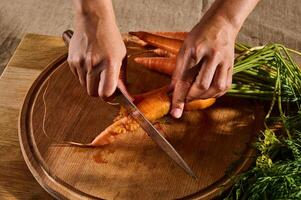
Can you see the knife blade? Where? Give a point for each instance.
(153, 133)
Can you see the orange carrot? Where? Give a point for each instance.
(128, 39)
(199, 104)
(139, 97)
(155, 106)
(160, 64)
(173, 35)
(164, 53)
(171, 45)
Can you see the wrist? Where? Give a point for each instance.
(97, 10)
(233, 12)
(232, 21)
(229, 23)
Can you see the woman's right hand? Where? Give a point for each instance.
(96, 51)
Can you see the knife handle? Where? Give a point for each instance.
(121, 84)
(67, 37)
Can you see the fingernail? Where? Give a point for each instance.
(176, 112)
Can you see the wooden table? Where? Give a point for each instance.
(31, 57)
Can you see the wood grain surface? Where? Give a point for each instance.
(31, 57)
(215, 142)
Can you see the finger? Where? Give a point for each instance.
(81, 75)
(93, 77)
(78, 64)
(180, 87)
(186, 59)
(204, 79)
(229, 81)
(220, 80)
(217, 87)
(72, 67)
(181, 57)
(230, 76)
(109, 79)
(181, 83)
(81, 72)
(178, 98)
(73, 70)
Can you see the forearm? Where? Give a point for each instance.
(233, 12)
(95, 10)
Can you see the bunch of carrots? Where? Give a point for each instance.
(256, 75)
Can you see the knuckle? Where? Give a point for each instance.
(219, 95)
(228, 87)
(220, 87)
(177, 102)
(76, 61)
(203, 86)
(185, 49)
(185, 83)
(89, 59)
(197, 51)
(69, 60)
(194, 51)
(112, 61)
(89, 63)
(216, 53)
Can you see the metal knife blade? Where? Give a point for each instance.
(154, 134)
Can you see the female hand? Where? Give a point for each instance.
(205, 61)
(96, 52)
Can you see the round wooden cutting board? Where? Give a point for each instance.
(215, 142)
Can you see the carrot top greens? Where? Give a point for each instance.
(269, 73)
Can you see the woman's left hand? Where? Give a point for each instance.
(210, 45)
